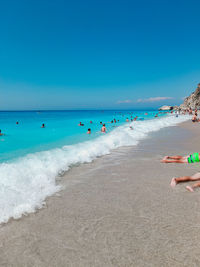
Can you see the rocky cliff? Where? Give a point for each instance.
(193, 100)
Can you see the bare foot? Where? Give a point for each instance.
(164, 160)
(173, 182)
(189, 188)
(166, 157)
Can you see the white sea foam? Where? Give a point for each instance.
(26, 182)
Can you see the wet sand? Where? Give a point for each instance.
(116, 211)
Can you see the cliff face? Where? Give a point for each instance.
(193, 100)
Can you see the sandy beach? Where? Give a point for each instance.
(118, 210)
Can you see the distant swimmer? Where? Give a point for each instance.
(1, 133)
(127, 120)
(43, 125)
(17, 122)
(115, 121)
(90, 121)
(194, 118)
(81, 124)
(103, 129)
(145, 113)
(100, 122)
(89, 131)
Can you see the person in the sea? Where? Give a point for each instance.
(103, 129)
(1, 133)
(194, 118)
(17, 122)
(195, 177)
(89, 131)
(81, 124)
(43, 125)
(127, 120)
(195, 157)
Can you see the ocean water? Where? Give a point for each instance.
(32, 157)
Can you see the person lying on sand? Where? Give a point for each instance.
(180, 159)
(195, 177)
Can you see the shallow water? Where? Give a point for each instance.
(32, 157)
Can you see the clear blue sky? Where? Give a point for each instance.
(57, 54)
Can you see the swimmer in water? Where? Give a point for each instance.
(90, 121)
(43, 125)
(127, 120)
(81, 124)
(103, 129)
(1, 133)
(17, 122)
(89, 131)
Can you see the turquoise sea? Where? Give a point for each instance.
(31, 157)
(61, 128)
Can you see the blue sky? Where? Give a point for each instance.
(97, 54)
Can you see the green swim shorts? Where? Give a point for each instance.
(193, 158)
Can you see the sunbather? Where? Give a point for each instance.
(180, 159)
(195, 177)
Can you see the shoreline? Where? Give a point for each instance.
(118, 210)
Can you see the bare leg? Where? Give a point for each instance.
(168, 158)
(176, 180)
(191, 188)
(175, 157)
(182, 160)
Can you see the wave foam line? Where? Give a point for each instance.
(26, 182)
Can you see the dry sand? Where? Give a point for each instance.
(116, 211)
